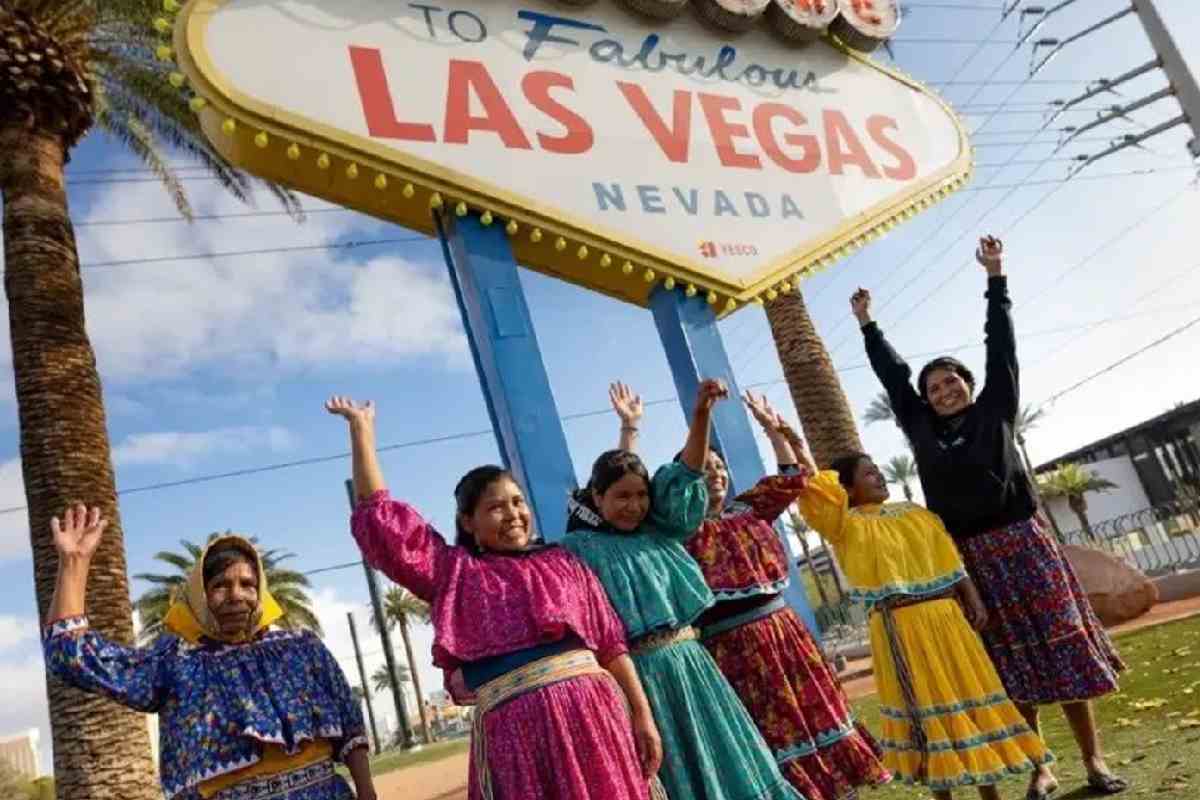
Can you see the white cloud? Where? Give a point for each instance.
(16, 630)
(14, 525)
(254, 315)
(182, 448)
(23, 677)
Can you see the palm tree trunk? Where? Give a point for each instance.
(816, 575)
(908, 492)
(416, 680)
(101, 751)
(820, 402)
(1037, 490)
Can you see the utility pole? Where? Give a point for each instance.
(366, 686)
(385, 637)
(1183, 82)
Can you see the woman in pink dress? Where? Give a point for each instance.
(522, 630)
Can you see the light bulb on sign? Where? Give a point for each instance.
(460, 210)
(485, 219)
(176, 79)
(711, 298)
(560, 244)
(772, 294)
(323, 161)
(435, 200)
(352, 171)
(512, 227)
(648, 276)
(197, 104)
(627, 268)
(381, 181)
(582, 252)
(228, 126)
(261, 140)
(606, 260)
(408, 191)
(535, 235)
(293, 151)
(669, 283)
(162, 25)
(690, 291)
(730, 304)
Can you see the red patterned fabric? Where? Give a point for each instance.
(739, 551)
(795, 699)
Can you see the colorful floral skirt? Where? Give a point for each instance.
(795, 699)
(711, 748)
(568, 741)
(1043, 636)
(312, 782)
(973, 734)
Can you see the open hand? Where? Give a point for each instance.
(860, 306)
(77, 534)
(990, 254)
(626, 402)
(709, 393)
(354, 413)
(763, 413)
(649, 745)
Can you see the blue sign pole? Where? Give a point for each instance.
(695, 352)
(509, 363)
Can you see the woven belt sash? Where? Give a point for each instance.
(885, 609)
(281, 784)
(532, 676)
(745, 618)
(657, 641)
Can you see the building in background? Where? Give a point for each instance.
(1153, 463)
(20, 752)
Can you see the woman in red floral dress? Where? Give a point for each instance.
(758, 641)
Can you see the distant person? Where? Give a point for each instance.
(757, 640)
(1045, 640)
(947, 722)
(523, 631)
(244, 711)
(630, 529)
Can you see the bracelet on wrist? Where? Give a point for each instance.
(629, 428)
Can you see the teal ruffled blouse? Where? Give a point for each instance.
(651, 580)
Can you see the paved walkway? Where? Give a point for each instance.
(446, 779)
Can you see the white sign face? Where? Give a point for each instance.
(732, 159)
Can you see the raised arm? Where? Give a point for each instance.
(368, 477)
(1001, 387)
(891, 369)
(79, 656)
(628, 406)
(392, 535)
(695, 449)
(771, 496)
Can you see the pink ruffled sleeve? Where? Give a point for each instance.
(396, 540)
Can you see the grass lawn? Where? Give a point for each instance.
(1151, 730)
(399, 759)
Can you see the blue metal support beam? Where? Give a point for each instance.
(509, 363)
(695, 352)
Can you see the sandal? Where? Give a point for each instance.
(1034, 793)
(1107, 783)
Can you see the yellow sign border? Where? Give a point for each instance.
(310, 157)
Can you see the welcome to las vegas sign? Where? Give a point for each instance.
(620, 153)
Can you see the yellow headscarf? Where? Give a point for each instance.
(189, 616)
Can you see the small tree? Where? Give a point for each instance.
(401, 607)
(901, 470)
(1074, 482)
(380, 681)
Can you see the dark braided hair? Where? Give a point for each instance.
(845, 467)
(467, 494)
(610, 467)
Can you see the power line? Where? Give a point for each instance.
(264, 251)
(1091, 177)
(1122, 361)
(205, 217)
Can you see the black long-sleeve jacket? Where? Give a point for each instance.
(971, 471)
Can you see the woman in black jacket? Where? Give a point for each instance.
(1044, 638)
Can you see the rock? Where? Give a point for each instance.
(1117, 591)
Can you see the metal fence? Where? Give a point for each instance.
(1158, 540)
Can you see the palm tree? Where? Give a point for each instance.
(820, 402)
(290, 589)
(69, 65)
(901, 470)
(380, 682)
(1074, 482)
(400, 607)
(799, 528)
(880, 410)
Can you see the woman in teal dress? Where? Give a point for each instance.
(630, 530)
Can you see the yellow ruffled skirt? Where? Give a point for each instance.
(974, 734)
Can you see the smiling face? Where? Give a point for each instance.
(501, 519)
(625, 503)
(947, 392)
(716, 477)
(232, 597)
(870, 487)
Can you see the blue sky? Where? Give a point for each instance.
(213, 365)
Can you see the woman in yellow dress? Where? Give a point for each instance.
(947, 722)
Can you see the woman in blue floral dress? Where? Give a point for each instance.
(244, 712)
